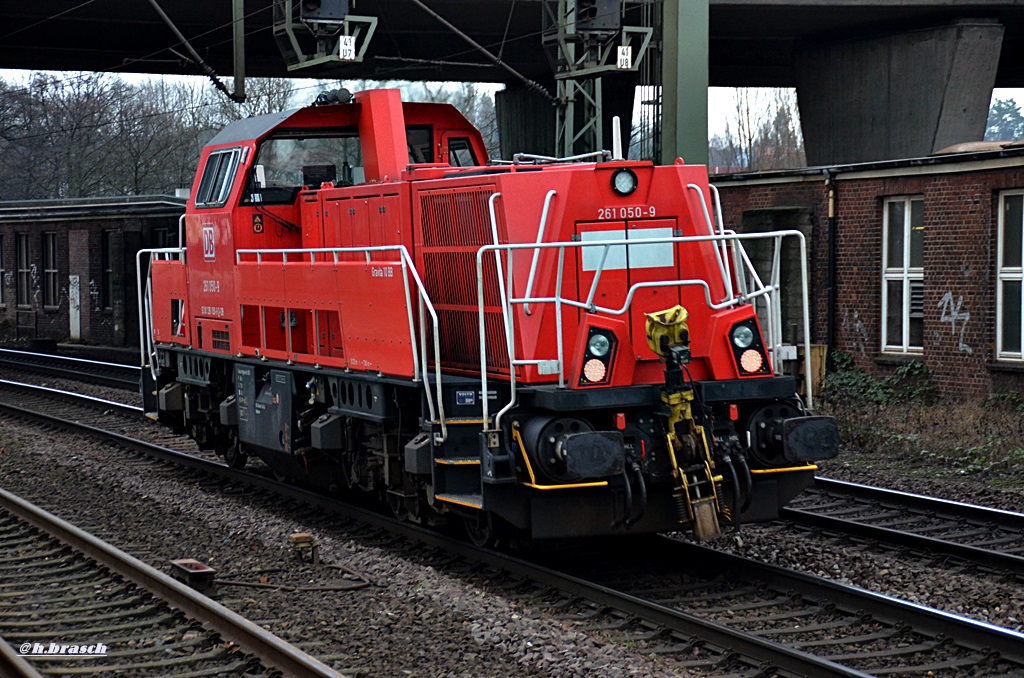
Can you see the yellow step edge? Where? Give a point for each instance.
(458, 461)
(571, 486)
(460, 502)
(790, 469)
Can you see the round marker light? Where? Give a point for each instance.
(624, 181)
(751, 360)
(599, 345)
(743, 336)
(594, 370)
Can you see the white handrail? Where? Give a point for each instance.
(497, 262)
(721, 223)
(540, 239)
(147, 350)
(768, 292)
(421, 367)
(726, 278)
(181, 235)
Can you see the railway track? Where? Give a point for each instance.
(714, 613)
(988, 537)
(115, 375)
(73, 604)
(863, 632)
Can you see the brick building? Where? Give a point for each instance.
(67, 267)
(927, 259)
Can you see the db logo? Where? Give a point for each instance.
(209, 243)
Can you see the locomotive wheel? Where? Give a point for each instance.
(398, 506)
(235, 455)
(480, 529)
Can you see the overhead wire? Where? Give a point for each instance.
(293, 90)
(196, 57)
(508, 24)
(115, 70)
(49, 18)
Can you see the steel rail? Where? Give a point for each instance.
(71, 395)
(942, 508)
(94, 371)
(790, 660)
(971, 633)
(966, 632)
(250, 637)
(974, 554)
(945, 507)
(13, 665)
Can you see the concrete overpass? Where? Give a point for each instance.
(876, 79)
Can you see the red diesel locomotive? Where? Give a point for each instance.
(550, 348)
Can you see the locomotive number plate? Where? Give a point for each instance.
(633, 212)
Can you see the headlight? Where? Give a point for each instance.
(599, 345)
(751, 361)
(595, 370)
(742, 336)
(624, 181)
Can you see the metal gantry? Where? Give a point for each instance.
(585, 40)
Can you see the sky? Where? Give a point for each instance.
(720, 99)
(720, 105)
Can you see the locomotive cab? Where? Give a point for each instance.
(555, 349)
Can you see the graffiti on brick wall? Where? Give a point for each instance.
(35, 285)
(75, 294)
(854, 328)
(954, 314)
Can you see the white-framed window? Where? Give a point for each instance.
(1009, 301)
(22, 267)
(218, 176)
(51, 291)
(107, 255)
(903, 276)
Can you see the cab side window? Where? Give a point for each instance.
(420, 144)
(218, 176)
(460, 153)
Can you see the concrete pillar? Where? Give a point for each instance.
(78, 267)
(898, 96)
(684, 77)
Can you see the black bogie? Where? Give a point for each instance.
(374, 435)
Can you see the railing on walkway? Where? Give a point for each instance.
(730, 256)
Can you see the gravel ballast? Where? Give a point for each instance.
(415, 619)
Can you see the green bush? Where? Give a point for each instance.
(898, 421)
(849, 383)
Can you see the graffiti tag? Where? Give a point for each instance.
(952, 314)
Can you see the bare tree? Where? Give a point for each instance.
(81, 135)
(762, 133)
(64, 148)
(88, 134)
(154, 143)
(263, 95)
(473, 101)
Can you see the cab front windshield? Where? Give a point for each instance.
(284, 165)
(288, 162)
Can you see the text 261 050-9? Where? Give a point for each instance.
(634, 212)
